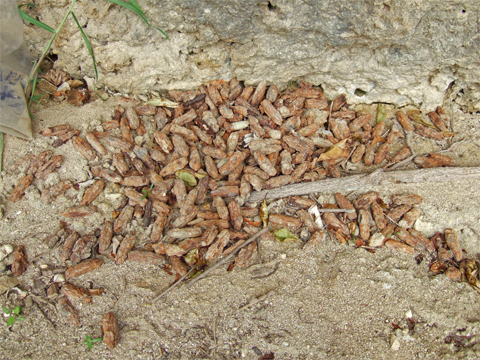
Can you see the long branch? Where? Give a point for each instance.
(355, 182)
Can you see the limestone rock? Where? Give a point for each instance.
(395, 51)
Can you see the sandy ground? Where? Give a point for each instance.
(337, 302)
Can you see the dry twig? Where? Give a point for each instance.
(253, 238)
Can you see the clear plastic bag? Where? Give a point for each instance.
(15, 64)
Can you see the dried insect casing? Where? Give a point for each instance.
(106, 174)
(55, 190)
(364, 220)
(144, 156)
(79, 211)
(443, 116)
(132, 117)
(233, 163)
(429, 133)
(95, 143)
(82, 248)
(202, 188)
(178, 265)
(180, 145)
(123, 219)
(278, 181)
(365, 200)
(236, 217)
(397, 212)
(339, 102)
(216, 248)
(62, 139)
(299, 171)
(146, 257)
(381, 153)
(105, 238)
(119, 144)
(265, 164)
(49, 167)
(211, 167)
(110, 330)
(92, 193)
(188, 134)
(125, 246)
(405, 236)
(359, 122)
(378, 216)
(210, 120)
(405, 122)
(83, 267)
(135, 196)
(443, 160)
(163, 141)
(344, 203)
(185, 118)
(185, 233)
(174, 166)
(135, 181)
(282, 221)
(427, 243)
(221, 208)
(55, 130)
(399, 246)
(272, 112)
(158, 227)
(68, 246)
(126, 130)
(452, 242)
(264, 146)
(401, 155)
(226, 191)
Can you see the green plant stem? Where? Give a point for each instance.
(47, 48)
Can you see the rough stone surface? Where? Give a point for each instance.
(397, 51)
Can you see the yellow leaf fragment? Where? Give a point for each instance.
(187, 177)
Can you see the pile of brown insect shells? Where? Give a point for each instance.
(230, 140)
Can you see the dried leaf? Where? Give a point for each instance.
(337, 151)
(187, 177)
(415, 116)
(382, 113)
(283, 235)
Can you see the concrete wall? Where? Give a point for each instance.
(396, 51)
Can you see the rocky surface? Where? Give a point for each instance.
(393, 51)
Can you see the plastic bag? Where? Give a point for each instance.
(15, 64)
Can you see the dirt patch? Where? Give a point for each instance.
(338, 301)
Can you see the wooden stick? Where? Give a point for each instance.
(208, 271)
(348, 211)
(174, 285)
(363, 181)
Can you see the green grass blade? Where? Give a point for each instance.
(33, 21)
(89, 46)
(11, 320)
(17, 310)
(97, 340)
(133, 6)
